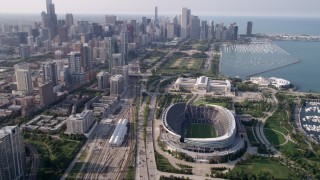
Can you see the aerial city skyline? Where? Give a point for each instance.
(167, 91)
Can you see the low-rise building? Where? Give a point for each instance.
(45, 124)
(202, 85)
(277, 82)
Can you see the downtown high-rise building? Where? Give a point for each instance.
(249, 28)
(124, 45)
(80, 123)
(116, 61)
(110, 20)
(12, 154)
(49, 19)
(86, 57)
(49, 70)
(23, 78)
(103, 80)
(204, 30)
(116, 85)
(110, 43)
(46, 94)
(74, 59)
(185, 22)
(156, 20)
(171, 30)
(69, 20)
(195, 28)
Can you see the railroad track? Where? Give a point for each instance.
(108, 162)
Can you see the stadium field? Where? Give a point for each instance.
(200, 131)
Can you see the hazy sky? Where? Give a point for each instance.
(170, 7)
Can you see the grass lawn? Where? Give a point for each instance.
(200, 131)
(290, 148)
(251, 136)
(274, 137)
(164, 165)
(55, 156)
(257, 165)
(189, 63)
(196, 64)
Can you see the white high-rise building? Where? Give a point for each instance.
(124, 46)
(116, 85)
(171, 31)
(80, 123)
(23, 78)
(185, 21)
(12, 154)
(124, 71)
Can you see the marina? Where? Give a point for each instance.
(310, 119)
(245, 60)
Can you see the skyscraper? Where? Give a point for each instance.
(235, 32)
(116, 85)
(49, 19)
(63, 33)
(74, 59)
(80, 123)
(124, 46)
(195, 28)
(204, 30)
(184, 23)
(110, 43)
(86, 57)
(249, 28)
(12, 154)
(156, 21)
(23, 78)
(103, 80)
(171, 33)
(24, 51)
(46, 94)
(49, 70)
(116, 61)
(110, 20)
(69, 20)
(143, 24)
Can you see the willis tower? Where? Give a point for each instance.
(49, 19)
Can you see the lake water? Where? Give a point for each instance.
(303, 75)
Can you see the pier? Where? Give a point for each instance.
(295, 62)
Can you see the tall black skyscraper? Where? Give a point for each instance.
(49, 19)
(249, 28)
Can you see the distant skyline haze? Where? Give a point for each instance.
(308, 8)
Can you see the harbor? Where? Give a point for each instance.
(245, 60)
(310, 119)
